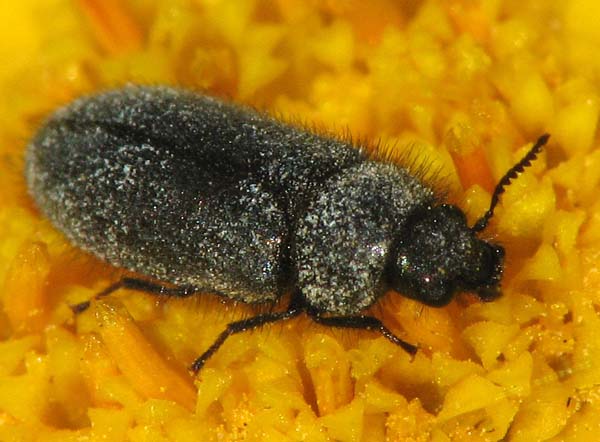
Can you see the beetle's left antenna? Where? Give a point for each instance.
(512, 173)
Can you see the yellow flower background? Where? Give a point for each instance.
(463, 85)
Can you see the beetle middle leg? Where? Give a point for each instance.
(294, 309)
(137, 284)
(363, 322)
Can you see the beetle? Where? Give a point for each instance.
(198, 194)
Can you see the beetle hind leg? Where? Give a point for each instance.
(137, 284)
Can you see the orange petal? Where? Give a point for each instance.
(149, 373)
(25, 301)
(113, 26)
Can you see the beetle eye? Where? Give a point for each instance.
(488, 271)
(486, 265)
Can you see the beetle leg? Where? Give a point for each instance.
(243, 325)
(363, 322)
(138, 284)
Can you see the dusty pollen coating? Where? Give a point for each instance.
(217, 197)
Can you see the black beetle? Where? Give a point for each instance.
(210, 196)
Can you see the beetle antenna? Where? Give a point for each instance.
(512, 173)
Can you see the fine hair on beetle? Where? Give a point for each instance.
(200, 195)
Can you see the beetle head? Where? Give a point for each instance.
(438, 255)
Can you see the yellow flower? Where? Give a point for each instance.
(462, 86)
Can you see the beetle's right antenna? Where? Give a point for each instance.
(512, 173)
